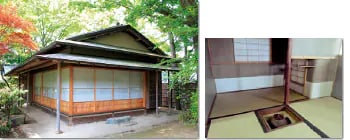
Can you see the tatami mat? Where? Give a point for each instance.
(242, 101)
(325, 113)
(247, 126)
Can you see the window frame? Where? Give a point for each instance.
(253, 62)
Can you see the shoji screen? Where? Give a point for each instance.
(121, 84)
(104, 84)
(65, 84)
(83, 84)
(136, 84)
(37, 84)
(252, 50)
(49, 84)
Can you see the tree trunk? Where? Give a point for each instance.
(195, 43)
(185, 51)
(172, 44)
(2, 72)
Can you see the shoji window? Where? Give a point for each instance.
(37, 84)
(65, 84)
(128, 84)
(251, 50)
(136, 84)
(121, 84)
(49, 84)
(83, 84)
(104, 84)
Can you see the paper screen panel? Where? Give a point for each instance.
(252, 40)
(103, 94)
(37, 84)
(121, 79)
(49, 84)
(135, 93)
(65, 95)
(65, 78)
(104, 78)
(252, 50)
(83, 78)
(136, 79)
(121, 93)
(83, 95)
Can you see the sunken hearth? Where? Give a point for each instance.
(277, 117)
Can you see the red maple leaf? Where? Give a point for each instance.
(14, 29)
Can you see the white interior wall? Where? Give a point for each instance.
(247, 83)
(316, 90)
(318, 47)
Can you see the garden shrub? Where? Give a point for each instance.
(4, 128)
(10, 99)
(184, 85)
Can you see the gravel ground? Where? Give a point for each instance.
(44, 125)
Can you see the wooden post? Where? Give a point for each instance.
(169, 93)
(58, 93)
(157, 113)
(287, 73)
(42, 88)
(144, 90)
(94, 90)
(71, 107)
(28, 78)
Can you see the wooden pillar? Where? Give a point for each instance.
(287, 73)
(58, 93)
(169, 93)
(144, 89)
(71, 107)
(42, 88)
(94, 90)
(157, 113)
(28, 78)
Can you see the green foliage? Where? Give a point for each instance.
(10, 99)
(180, 83)
(12, 81)
(4, 128)
(191, 115)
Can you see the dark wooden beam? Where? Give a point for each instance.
(40, 65)
(287, 73)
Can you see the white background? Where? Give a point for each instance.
(273, 19)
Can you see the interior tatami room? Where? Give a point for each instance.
(250, 81)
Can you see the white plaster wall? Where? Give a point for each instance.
(321, 47)
(317, 90)
(247, 83)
